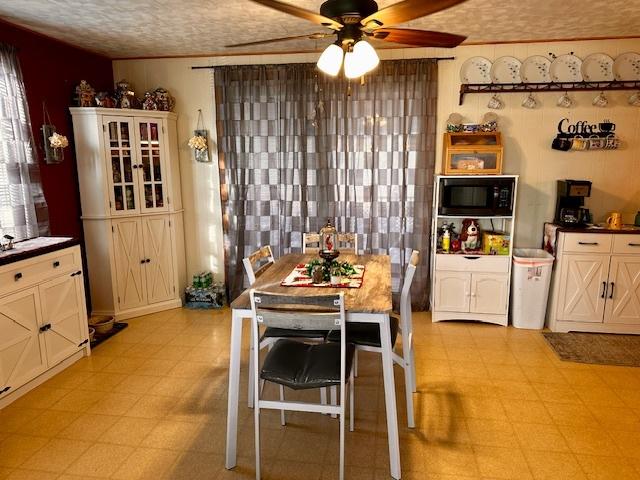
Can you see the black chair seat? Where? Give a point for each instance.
(271, 332)
(300, 366)
(367, 334)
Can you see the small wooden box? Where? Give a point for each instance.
(472, 153)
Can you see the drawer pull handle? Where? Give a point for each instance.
(611, 294)
(634, 244)
(604, 289)
(46, 327)
(5, 389)
(588, 243)
(56, 264)
(134, 166)
(85, 341)
(79, 272)
(17, 276)
(471, 258)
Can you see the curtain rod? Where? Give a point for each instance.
(201, 67)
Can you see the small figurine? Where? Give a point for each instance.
(164, 100)
(85, 94)
(470, 236)
(149, 102)
(105, 100)
(124, 94)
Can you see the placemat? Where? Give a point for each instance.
(299, 278)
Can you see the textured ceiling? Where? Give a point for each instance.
(155, 28)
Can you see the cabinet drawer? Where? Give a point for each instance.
(587, 243)
(473, 263)
(29, 272)
(627, 244)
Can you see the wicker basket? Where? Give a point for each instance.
(102, 323)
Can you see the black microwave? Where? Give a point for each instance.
(474, 196)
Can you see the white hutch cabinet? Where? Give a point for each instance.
(129, 179)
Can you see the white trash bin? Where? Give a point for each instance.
(530, 287)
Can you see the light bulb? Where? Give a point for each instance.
(331, 60)
(361, 60)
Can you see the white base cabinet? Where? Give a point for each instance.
(596, 283)
(131, 209)
(43, 324)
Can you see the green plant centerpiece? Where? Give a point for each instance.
(345, 269)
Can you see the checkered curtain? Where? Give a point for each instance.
(23, 210)
(298, 147)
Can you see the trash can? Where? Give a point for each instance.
(530, 287)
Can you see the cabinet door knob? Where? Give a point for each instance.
(134, 166)
(5, 389)
(46, 327)
(142, 261)
(612, 286)
(604, 289)
(17, 276)
(56, 264)
(148, 260)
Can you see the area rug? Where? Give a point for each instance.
(598, 348)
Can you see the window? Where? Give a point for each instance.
(23, 210)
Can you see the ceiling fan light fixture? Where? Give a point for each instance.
(362, 59)
(331, 60)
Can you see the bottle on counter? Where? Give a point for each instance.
(446, 240)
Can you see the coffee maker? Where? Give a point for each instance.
(570, 210)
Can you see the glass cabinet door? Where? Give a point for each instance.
(152, 177)
(122, 165)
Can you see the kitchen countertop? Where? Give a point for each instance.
(34, 247)
(600, 229)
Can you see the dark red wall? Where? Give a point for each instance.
(51, 71)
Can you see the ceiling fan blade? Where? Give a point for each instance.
(407, 10)
(312, 36)
(418, 38)
(301, 13)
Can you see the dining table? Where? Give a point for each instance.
(370, 303)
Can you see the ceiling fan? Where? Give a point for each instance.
(352, 21)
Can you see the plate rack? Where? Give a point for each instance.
(545, 87)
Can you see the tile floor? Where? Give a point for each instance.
(493, 403)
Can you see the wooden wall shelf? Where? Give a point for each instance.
(544, 87)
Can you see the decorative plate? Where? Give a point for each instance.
(597, 67)
(535, 69)
(566, 68)
(506, 70)
(627, 67)
(476, 70)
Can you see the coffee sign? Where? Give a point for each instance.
(583, 128)
(583, 135)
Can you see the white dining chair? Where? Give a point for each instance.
(255, 265)
(366, 337)
(347, 242)
(299, 365)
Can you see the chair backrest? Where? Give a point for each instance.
(257, 263)
(313, 312)
(347, 242)
(405, 294)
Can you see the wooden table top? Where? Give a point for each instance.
(374, 296)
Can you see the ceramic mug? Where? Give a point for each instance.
(600, 100)
(530, 101)
(495, 103)
(612, 142)
(565, 101)
(563, 144)
(614, 221)
(579, 143)
(596, 142)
